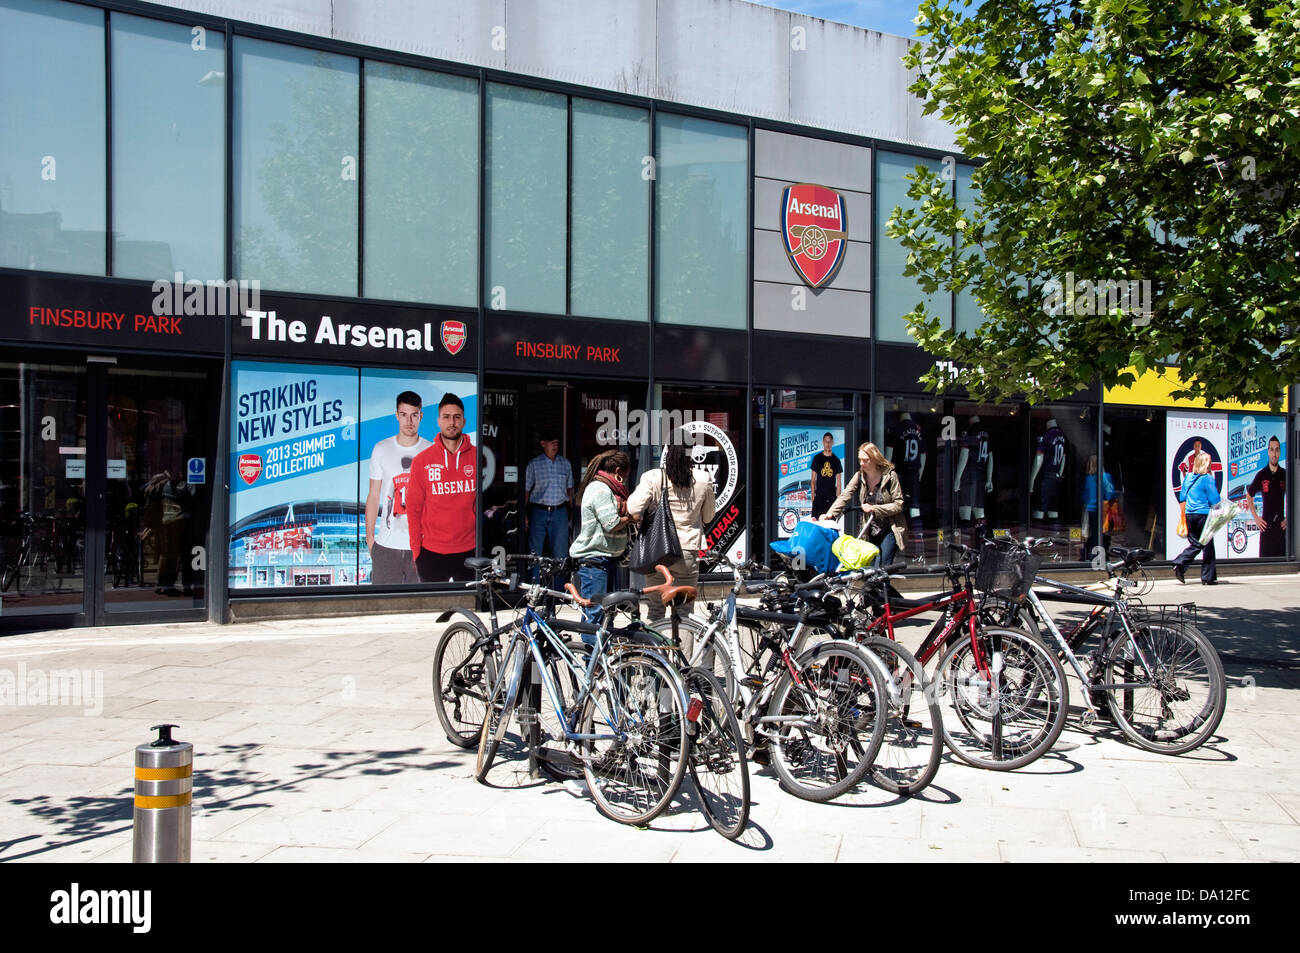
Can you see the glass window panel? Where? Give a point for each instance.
(52, 162)
(421, 208)
(610, 210)
(1133, 453)
(295, 154)
(1062, 451)
(527, 171)
(701, 225)
(897, 294)
(42, 487)
(169, 117)
(969, 314)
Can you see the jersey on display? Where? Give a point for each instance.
(1052, 447)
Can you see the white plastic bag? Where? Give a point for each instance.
(1220, 514)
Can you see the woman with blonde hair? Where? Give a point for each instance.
(1199, 493)
(879, 491)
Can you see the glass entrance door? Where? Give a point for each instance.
(160, 446)
(43, 470)
(105, 490)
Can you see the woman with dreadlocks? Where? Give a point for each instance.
(602, 534)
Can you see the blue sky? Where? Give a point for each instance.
(887, 16)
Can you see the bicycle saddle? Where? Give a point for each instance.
(1137, 556)
(478, 563)
(615, 599)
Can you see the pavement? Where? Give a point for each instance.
(317, 741)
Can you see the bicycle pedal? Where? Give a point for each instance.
(752, 681)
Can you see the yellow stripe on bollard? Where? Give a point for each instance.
(155, 803)
(164, 774)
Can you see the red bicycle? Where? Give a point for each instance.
(1001, 691)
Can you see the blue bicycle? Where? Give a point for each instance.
(621, 714)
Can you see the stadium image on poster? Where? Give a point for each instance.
(1257, 480)
(399, 418)
(293, 506)
(1186, 434)
(806, 475)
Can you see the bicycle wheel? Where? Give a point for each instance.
(500, 706)
(1004, 705)
(462, 676)
(717, 763)
(912, 748)
(1009, 615)
(1177, 703)
(826, 728)
(636, 764)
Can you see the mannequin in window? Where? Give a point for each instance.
(974, 476)
(910, 443)
(1050, 460)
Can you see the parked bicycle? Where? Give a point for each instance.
(1158, 675)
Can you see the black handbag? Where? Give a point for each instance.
(656, 543)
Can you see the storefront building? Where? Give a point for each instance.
(238, 245)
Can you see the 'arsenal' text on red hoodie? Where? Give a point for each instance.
(440, 498)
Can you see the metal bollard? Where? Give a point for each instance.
(164, 781)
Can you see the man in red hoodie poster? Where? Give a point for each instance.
(440, 499)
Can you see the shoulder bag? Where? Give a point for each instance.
(656, 542)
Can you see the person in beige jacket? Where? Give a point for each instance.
(877, 487)
(690, 500)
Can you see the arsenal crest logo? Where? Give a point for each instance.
(814, 229)
(453, 336)
(250, 467)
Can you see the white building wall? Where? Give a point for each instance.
(722, 54)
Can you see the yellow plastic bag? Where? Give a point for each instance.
(854, 553)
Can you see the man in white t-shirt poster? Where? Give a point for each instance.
(387, 538)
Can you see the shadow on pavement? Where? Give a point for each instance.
(237, 788)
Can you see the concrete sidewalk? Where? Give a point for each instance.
(317, 741)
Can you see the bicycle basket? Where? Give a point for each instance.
(1173, 615)
(1006, 572)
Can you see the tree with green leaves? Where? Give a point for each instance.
(1137, 200)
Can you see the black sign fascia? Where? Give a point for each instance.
(783, 359)
(704, 355)
(899, 368)
(103, 315)
(564, 346)
(288, 327)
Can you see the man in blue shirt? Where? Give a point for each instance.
(548, 491)
(1198, 493)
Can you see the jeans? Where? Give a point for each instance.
(888, 551)
(548, 533)
(596, 581)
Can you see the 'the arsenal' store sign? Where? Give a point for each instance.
(342, 330)
(814, 229)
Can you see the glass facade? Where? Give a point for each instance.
(53, 195)
(966, 312)
(169, 184)
(610, 211)
(421, 185)
(357, 178)
(701, 222)
(295, 149)
(897, 294)
(526, 168)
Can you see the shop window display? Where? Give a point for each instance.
(1062, 440)
(908, 432)
(987, 476)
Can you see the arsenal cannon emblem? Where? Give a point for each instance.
(814, 229)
